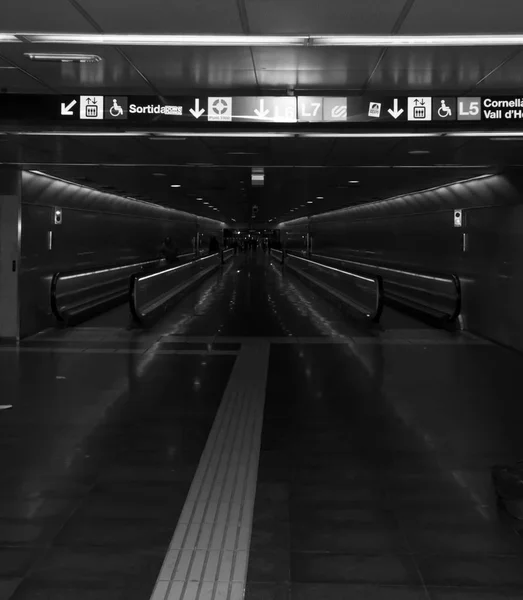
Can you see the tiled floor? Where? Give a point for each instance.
(374, 477)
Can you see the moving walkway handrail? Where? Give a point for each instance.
(393, 276)
(369, 288)
(277, 254)
(227, 255)
(147, 293)
(105, 283)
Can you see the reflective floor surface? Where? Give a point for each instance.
(374, 473)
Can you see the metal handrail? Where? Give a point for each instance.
(227, 255)
(375, 281)
(277, 254)
(390, 273)
(80, 275)
(175, 279)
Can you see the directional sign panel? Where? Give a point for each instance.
(502, 108)
(419, 109)
(367, 111)
(219, 109)
(310, 109)
(334, 109)
(273, 109)
(444, 109)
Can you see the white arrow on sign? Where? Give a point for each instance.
(197, 112)
(262, 112)
(67, 110)
(394, 110)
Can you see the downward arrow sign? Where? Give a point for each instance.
(66, 110)
(196, 112)
(262, 112)
(394, 112)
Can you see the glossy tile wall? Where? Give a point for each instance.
(417, 231)
(97, 229)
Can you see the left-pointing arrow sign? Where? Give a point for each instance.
(67, 110)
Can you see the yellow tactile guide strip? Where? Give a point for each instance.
(208, 555)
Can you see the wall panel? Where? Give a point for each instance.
(417, 231)
(97, 229)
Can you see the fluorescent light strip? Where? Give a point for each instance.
(165, 40)
(485, 134)
(232, 134)
(266, 134)
(416, 40)
(83, 133)
(335, 134)
(264, 40)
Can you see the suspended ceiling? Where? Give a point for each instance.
(297, 171)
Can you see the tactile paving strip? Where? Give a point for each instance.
(208, 555)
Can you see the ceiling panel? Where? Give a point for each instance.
(463, 16)
(316, 58)
(329, 16)
(438, 68)
(173, 69)
(161, 16)
(330, 80)
(112, 74)
(14, 80)
(508, 77)
(50, 16)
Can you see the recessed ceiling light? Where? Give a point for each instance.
(319, 197)
(160, 174)
(175, 185)
(309, 202)
(354, 181)
(199, 198)
(419, 151)
(206, 203)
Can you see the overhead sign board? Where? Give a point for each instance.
(150, 110)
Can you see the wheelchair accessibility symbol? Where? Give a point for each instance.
(116, 107)
(444, 111)
(116, 110)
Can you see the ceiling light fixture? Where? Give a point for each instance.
(319, 197)
(309, 202)
(175, 185)
(384, 41)
(226, 134)
(419, 151)
(63, 57)
(485, 134)
(369, 135)
(354, 182)
(160, 174)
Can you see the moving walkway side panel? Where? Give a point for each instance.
(362, 294)
(78, 295)
(435, 295)
(156, 292)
